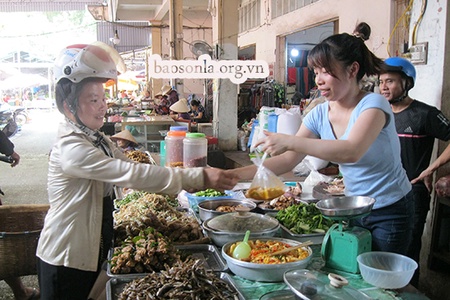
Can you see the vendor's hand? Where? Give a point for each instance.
(219, 179)
(16, 159)
(274, 143)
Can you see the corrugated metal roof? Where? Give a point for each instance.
(133, 35)
(33, 5)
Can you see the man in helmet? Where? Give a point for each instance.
(84, 166)
(418, 125)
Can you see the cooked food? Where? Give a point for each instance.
(281, 202)
(260, 193)
(295, 191)
(262, 250)
(336, 187)
(153, 210)
(147, 252)
(184, 280)
(229, 208)
(138, 156)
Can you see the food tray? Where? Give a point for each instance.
(316, 238)
(115, 286)
(209, 254)
(320, 192)
(211, 257)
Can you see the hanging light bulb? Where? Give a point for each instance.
(294, 52)
(115, 40)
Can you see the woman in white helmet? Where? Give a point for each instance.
(84, 165)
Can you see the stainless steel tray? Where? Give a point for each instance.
(316, 238)
(209, 254)
(116, 285)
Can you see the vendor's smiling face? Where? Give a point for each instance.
(334, 84)
(92, 105)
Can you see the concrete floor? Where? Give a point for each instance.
(26, 184)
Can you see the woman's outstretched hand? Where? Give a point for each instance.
(219, 179)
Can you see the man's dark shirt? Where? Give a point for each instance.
(417, 127)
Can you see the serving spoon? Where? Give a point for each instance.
(287, 250)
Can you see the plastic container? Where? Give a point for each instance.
(386, 270)
(195, 151)
(174, 148)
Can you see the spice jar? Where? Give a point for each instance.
(174, 148)
(195, 151)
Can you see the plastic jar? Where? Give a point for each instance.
(195, 150)
(174, 148)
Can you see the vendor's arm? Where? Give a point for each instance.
(363, 133)
(426, 175)
(294, 148)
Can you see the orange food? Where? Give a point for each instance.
(261, 251)
(259, 193)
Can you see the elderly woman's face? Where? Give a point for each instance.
(92, 105)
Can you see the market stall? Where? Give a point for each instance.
(210, 248)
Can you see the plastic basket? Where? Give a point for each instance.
(20, 227)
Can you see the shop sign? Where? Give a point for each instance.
(238, 71)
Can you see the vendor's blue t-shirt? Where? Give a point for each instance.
(379, 172)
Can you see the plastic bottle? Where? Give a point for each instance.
(195, 153)
(174, 148)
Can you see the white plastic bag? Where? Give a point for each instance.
(313, 178)
(314, 164)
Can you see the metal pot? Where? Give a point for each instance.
(231, 227)
(264, 272)
(207, 209)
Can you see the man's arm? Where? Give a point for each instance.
(426, 174)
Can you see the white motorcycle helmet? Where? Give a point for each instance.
(80, 61)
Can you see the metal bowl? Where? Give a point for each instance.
(207, 209)
(264, 272)
(346, 206)
(231, 227)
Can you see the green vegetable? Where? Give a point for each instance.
(303, 219)
(128, 198)
(209, 193)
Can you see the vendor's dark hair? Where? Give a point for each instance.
(69, 92)
(362, 30)
(345, 49)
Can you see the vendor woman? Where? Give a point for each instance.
(355, 129)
